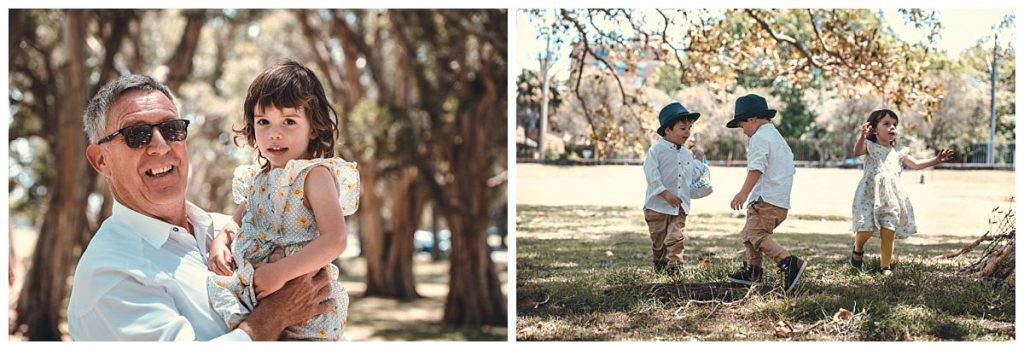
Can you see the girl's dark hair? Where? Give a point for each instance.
(877, 116)
(289, 84)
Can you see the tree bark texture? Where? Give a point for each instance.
(41, 303)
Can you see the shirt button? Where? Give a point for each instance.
(175, 229)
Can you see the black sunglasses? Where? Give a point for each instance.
(139, 135)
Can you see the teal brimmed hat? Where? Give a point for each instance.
(750, 106)
(672, 113)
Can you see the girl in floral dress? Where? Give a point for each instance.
(295, 198)
(880, 206)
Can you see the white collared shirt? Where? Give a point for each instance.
(143, 279)
(668, 168)
(768, 153)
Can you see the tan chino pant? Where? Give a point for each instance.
(762, 219)
(668, 236)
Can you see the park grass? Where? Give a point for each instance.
(583, 273)
(383, 319)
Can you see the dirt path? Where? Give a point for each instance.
(949, 203)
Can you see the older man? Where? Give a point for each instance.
(143, 275)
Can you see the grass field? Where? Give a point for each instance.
(948, 203)
(584, 273)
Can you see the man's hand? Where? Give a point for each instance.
(737, 201)
(672, 199)
(944, 156)
(298, 300)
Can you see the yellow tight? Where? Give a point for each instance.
(888, 240)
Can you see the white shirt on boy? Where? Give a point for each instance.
(768, 153)
(672, 169)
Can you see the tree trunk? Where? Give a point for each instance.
(394, 277)
(41, 302)
(474, 295)
(407, 204)
(180, 64)
(478, 142)
(371, 230)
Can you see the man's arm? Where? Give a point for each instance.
(134, 311)
(298, 300)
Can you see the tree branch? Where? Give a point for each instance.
(784, 39)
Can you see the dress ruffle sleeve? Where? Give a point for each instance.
(346, 177)
(241, 183)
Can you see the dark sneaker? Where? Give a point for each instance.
(747, 275)
(857, 264)
(792, 267)
(659, 266)
(672, 269)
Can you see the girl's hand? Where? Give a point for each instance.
(944, 156)
(264, 282)
(221, 261)
(865, 130)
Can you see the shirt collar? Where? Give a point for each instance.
(765, 125)
(155, 231)
(670, 144)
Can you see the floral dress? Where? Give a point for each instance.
(880, 202)
(276, 216)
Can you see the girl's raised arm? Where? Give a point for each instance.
(942, 156)
(859, 149)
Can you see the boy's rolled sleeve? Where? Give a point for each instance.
(757, 155)
(652, 173)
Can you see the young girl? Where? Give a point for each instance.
(880, 206)
(295, 199)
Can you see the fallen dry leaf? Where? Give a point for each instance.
(609, 253)
(704, 263)
(783, 329)
(842, 315)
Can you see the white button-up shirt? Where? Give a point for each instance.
(768, 153)
(144, 279)
(671, 169)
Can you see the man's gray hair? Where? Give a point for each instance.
(96, 112)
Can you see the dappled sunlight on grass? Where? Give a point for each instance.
(596, 286)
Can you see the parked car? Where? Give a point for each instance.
(423, 241)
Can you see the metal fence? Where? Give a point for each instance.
(1003, 152)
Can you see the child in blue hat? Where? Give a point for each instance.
(670, 169)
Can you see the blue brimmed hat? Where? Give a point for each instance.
(747, 107)
(672, 113)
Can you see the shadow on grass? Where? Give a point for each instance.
(711, 291)
(438, 331)
(604, 287)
